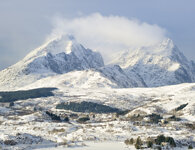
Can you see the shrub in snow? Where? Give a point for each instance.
(83, 119)
(10, 142)
(171, 141)
(190, 125)
(129, 141)
(154, 118)
(149, 143)
(138, 143)
(173, 118)
(190, 147)
(162, 139)
(181, 107)
(53, 116)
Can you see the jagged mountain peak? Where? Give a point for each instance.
(166, 45)
(164, 48)
(164, 51)
(158, 65)
(63, 44)
(62, 54)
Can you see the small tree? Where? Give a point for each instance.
(126, 142)
(190, 147)
(160, 139)
(149, 144)
(138, 143)
(83, 119)
(131, 141)
(66, 119)
(171, 141)
(11, 104)
(53, 116)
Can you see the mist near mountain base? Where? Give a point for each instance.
(108, 34)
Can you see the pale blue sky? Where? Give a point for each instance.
(24, 24)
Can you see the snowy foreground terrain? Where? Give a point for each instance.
(62, 96)
(32, 128)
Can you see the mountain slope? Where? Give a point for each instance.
(119, 76)
(104, 77)
(159, 65)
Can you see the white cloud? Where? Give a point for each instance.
(109, 34)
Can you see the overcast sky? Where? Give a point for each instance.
(25, 24)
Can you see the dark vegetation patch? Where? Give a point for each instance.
(161, 138)
(181, 107)
(83, 119)
(154, 118)
(190, 126)
(136, 117)
(129, 141)
(55, 117)
(173, 118)
(12, 96)
(10, 142)
(87, 107)
(153, 143)
(190, 147)
(122, 113)
(138, 143)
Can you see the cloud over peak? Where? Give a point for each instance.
(109, 34)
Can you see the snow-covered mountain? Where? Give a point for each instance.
(63, 61)
(61, 55)
(58, 56)
(158, 65)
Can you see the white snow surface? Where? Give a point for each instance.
(81, 136)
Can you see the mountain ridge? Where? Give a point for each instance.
(154, 66)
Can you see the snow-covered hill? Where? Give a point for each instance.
(158, 65)
(104, 77)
